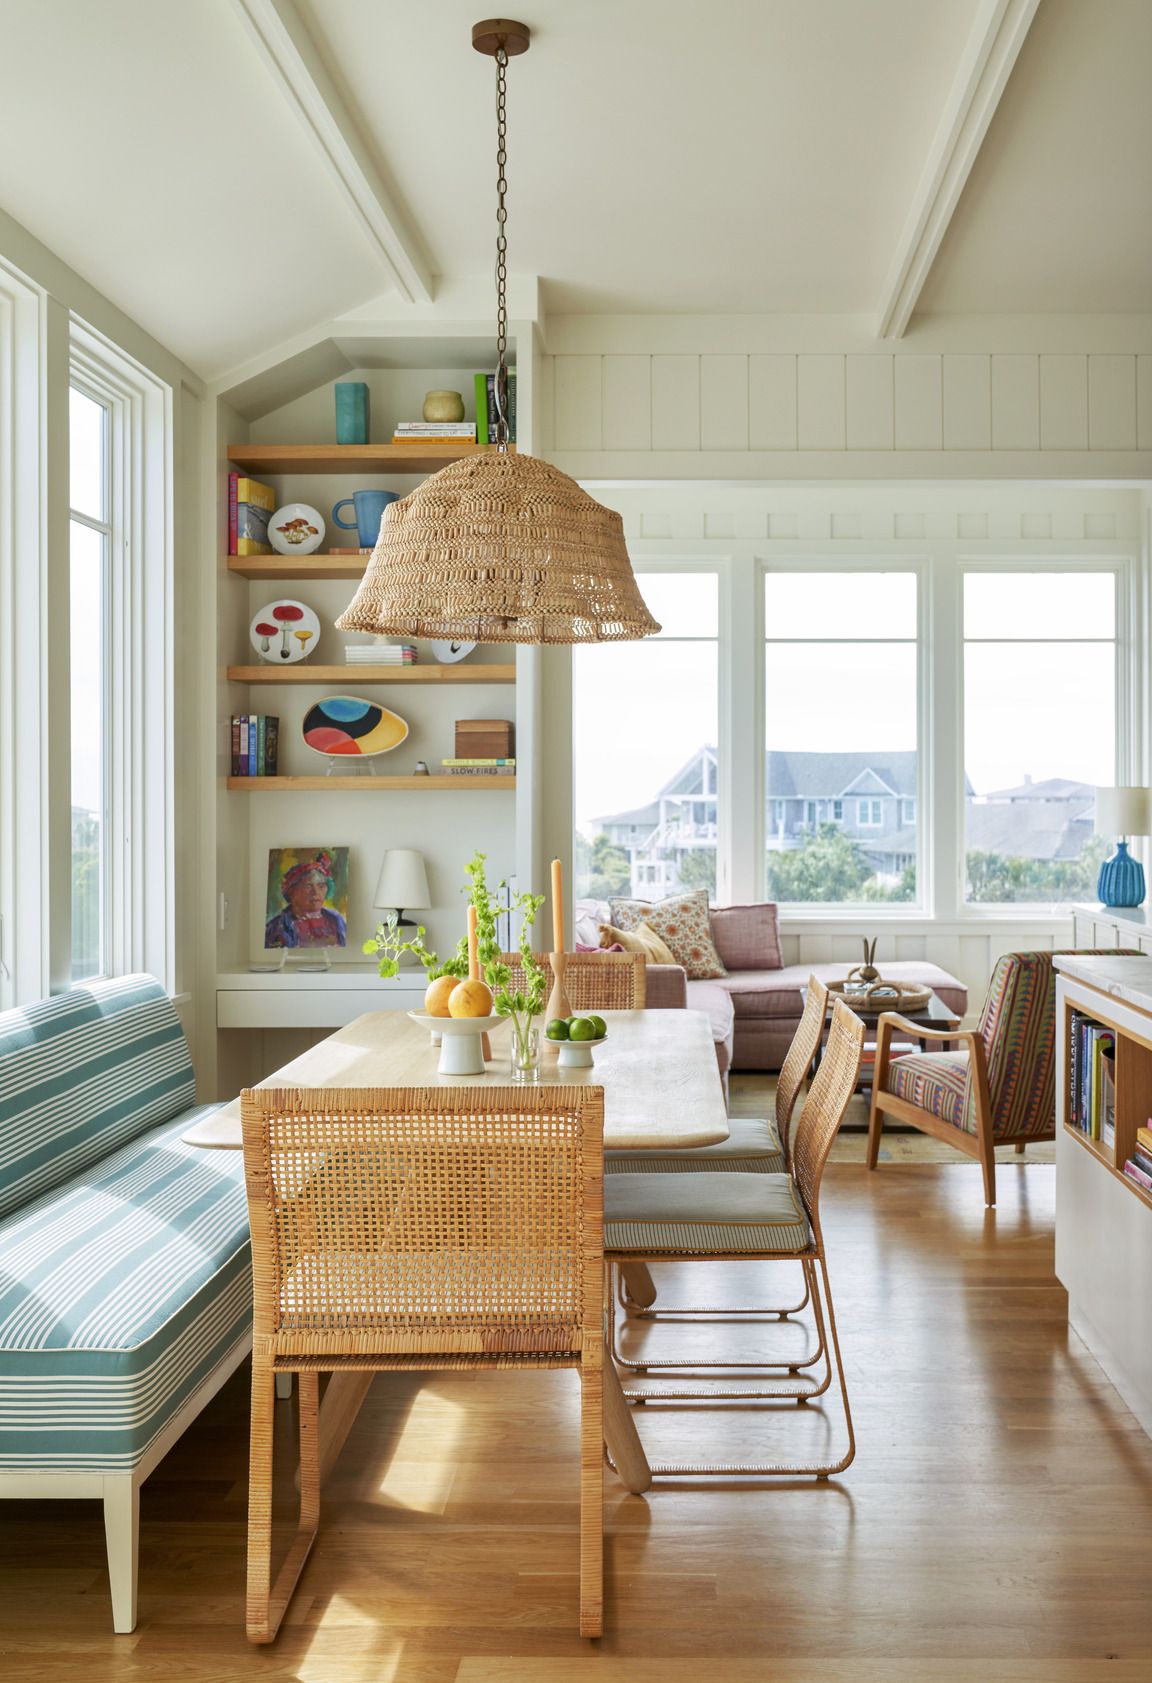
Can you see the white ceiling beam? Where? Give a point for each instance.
(300, 73)
(997, 34)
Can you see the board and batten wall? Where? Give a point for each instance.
(779, 397)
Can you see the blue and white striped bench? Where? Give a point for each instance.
(125, 1281)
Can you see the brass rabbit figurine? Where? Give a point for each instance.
(866, 972)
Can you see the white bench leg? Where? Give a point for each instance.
(122, 1536)
(284, 1386)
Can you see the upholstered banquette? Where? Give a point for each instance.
(125, 1282)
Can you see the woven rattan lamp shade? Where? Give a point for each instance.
(500, 548)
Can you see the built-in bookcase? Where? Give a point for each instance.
(1133, 1090)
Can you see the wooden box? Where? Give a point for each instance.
(483, 739)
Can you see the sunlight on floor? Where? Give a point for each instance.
(381, 1664)
(423, 1466)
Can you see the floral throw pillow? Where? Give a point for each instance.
(683, 924)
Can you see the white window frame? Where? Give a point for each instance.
(869, 813)
(140, 732)
(907, 809)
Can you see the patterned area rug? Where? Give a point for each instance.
(752, 1095)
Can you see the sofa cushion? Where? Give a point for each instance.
(716, 1003)
(780, 993)
(119, 1292)
(638, 940)
(747, 937)
(80, 1074)
(704, 1213)
(683, 923)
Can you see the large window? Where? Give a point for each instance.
(840, 716)
(645, 749)
(90, 538)
(1039, 731)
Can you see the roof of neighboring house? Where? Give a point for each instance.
(1048, 789)
(649, 814)
(812, 776)
(1036, 830)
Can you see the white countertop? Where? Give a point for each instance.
(1129, 979)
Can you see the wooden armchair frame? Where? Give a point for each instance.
(981, 1144)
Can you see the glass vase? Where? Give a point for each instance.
(524, 1061)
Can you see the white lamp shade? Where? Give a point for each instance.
(403, 880)
(1126, 811)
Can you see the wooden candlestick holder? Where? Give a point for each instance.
(558, 1005)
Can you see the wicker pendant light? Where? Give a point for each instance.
(500, 547)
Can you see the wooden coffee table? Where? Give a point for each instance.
(933, 1014)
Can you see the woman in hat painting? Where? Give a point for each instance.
(305, 920)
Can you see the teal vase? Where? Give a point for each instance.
(1121, 879)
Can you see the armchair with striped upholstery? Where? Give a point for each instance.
(997, 1089)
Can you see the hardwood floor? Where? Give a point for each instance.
(996, 1526)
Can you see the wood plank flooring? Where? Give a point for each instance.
(996, 1526)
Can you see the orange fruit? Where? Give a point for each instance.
(470, 999)
(436, 995)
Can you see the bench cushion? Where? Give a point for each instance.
(753, 1146)
(119, 1292)
(704, 1214)
(82, 1073)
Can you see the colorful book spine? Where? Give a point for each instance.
(1136, 1173)
(233, 501)
(261, 744)
(273, 744)
(1142, 1160)
(255, 503)
(461, 761)
(486, 408)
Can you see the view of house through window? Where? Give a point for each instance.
(89, 542)
(645, 758)
(1039, 731)
(840, 707)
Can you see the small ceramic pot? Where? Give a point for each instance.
(443, 406)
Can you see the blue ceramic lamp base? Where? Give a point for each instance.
(1121, 879)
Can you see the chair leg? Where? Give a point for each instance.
(1020, 1144)
(641, 1287)
(591, 1501)
(122, 1540)
(875, 1128)
(645, 1366)
(642, 1311)
(268, 1601)
(988, 1164)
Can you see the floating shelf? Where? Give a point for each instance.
(302, 674)
(365, 785)
(320, 565)
(350, 458)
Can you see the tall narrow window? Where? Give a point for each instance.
(840, 709)
(645, 749)
(1039, 732)
(90, 539)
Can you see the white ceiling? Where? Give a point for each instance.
(665, 155)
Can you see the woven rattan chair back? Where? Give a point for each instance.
(424, 1221)
(832, 1087)
(798, 1061)
(593, 981)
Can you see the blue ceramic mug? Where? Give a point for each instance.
(369, 507)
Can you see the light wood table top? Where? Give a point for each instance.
(657, 1069)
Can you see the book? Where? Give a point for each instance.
(261, 743)
(250, 505)
(1134, 1172)
(433, 438)
(273, 743)
(486, 408)
(1144, 1138)
(435, 429)
(255, 742)
(466, 762)
(1108, 1093)
(1142, 1160)
(363, 550)
(480, 771)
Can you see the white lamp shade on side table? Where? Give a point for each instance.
(1124, 811)
(403, 881)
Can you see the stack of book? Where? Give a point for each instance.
(1093, 1087)
(486, 408)
(250, 505)
(255, 741)
(1139, 1165)
(434, 432)
(380, 654)
(479, 768)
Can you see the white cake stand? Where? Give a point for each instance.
(461, 1051)
(577, 1054)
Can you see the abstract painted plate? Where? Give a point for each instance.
(347, 724)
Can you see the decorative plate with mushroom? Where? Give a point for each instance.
(284, 632)
(296, 529)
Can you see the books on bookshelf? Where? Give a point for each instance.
(434, 432)
(1138, 1167)
(486, 408)
(250, 506)
(380, 654)
(255, 744)
(1092, 1107)
(479, 767)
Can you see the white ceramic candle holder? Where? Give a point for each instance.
(461, 1041)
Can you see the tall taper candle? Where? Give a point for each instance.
(473, 947)
(557, 909)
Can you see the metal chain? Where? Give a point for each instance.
(501, 382)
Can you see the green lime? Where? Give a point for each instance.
(583, 1029)
(600, 1025)
(557, 1029)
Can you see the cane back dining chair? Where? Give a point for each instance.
(592, 981)
(721, 1217)
(421, 1228)
(997, 1089)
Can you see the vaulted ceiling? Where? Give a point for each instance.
(231, 172)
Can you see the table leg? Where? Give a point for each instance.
(621, 1436)
(641, 1286)
(342, 1402)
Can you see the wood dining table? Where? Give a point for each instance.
(658, 1073)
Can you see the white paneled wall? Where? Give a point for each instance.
(749, 413)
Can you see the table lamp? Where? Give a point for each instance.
(1122, 812)
(403, 883)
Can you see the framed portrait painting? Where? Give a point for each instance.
(307, 901)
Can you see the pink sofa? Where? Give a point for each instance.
(755, 1009)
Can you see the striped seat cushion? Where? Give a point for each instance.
(82, 1073)
(933, 1081)
(119, 1292)
(704, 1215)
(752, 1145)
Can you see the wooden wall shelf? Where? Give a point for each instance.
(350, 458)
(320, 565)
(366, 785)
(310, 674)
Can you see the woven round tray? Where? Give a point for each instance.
(881, 996)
